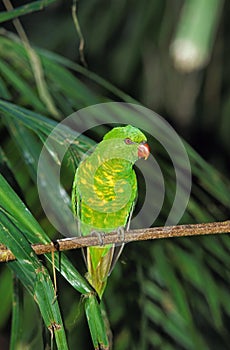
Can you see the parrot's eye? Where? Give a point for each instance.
(128, 142)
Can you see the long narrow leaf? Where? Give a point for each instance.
(35, 278)
(15, 209)
(25, 9)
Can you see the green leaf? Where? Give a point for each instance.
(25, 9)
(17, 321)
(17, 212)
(156, 314)
(177, 292)
(4, 92)
(6, 287)
(20, 85)
(96, 322)
(35, 278)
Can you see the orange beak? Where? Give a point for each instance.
(143, 150)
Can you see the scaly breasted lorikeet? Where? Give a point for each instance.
(104, 194)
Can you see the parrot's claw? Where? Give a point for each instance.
(121, 233)
(100, 236)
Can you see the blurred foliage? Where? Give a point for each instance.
(163, 295)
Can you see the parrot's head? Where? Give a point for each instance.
(127, 142)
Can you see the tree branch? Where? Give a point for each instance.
(130, 236)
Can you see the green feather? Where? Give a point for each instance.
(104, 192)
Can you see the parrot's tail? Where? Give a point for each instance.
(99, 262)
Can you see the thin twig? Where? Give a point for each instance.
(130, 236)
(78, 29)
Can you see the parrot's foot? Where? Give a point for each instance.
(100, 236)
(121, 233)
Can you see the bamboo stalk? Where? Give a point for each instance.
(129, 236)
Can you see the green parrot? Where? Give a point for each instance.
(104, 194)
